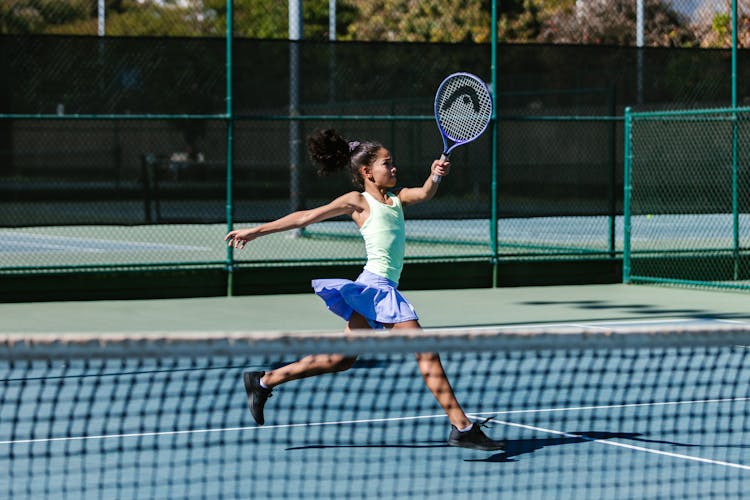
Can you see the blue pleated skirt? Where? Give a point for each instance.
(374, 297)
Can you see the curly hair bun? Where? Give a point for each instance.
(329, 150)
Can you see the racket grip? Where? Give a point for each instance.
(436, 178)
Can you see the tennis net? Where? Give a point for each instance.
(631, 413)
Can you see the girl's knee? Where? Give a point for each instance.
(357, 322)
(341, 363)
(427, 356)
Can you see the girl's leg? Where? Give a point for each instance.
(258, 385)
(437, 381)
(316, 364)
(465, 434)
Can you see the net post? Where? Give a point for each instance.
(627, 190)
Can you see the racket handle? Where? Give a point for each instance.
(436, 178)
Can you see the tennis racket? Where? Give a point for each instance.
(463, 109)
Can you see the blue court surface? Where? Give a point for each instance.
(579, 424)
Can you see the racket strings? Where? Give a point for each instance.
(464, 108)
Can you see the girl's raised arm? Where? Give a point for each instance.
(410, 196)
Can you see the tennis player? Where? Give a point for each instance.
(373, 300)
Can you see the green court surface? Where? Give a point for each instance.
(336, 240)
(436, 308)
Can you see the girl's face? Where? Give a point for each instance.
(382, 171)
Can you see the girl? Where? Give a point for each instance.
(372, 301)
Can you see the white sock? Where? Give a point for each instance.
(263, 385)
(466, 429)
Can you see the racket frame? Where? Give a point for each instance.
(446, 149)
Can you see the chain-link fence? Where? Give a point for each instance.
(687, 181)
(116, 136)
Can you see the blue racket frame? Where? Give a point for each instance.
(447, 138)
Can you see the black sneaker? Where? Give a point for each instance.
(474, 438)
(256, 395)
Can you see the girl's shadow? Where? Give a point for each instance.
(524, 446)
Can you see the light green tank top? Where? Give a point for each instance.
(385, 237)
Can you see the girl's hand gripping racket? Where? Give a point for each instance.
(463, 109)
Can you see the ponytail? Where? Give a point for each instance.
(331, 152)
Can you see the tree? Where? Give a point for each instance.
(39, 16)
(520, 21)
(421, 20)
(252, 18)
(713, 24)
(523, 21)
(614, 22)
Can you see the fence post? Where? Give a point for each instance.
(230, 148)
(295, 35)
(735, 152)
(627, 179)
(493, 130)
(612, 181)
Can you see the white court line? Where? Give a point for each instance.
(607, 325)
(601, 324)
(609, 442)
(610, 407)
(76, 243)
(223, 429)
(351, 422)
(40, 246)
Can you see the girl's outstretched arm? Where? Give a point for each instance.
(410, 196)
(346, 204)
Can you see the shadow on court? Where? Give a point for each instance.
(429, 444)
(515, 448)
(639, 309)
(520, 447)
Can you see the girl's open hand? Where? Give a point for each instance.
(239, 238)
